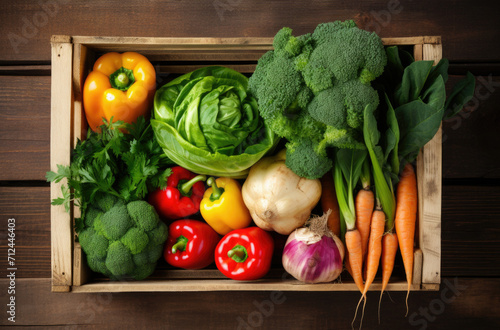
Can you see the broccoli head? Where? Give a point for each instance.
(122, 240)
(313, 89)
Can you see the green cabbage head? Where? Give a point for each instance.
(206, 122)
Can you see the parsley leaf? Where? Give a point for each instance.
(124, 160)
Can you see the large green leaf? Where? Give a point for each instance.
(418, 123)
(414, 78)
(440, 69)
(435, 94)
(461, 94)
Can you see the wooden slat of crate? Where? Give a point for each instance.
(429, 171)
(243, 49)
(61, 130)
(178, 285)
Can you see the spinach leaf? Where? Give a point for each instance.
(414, 78)
(406, 57)
(440, 69)
(435, 94)
(461, 94)
(418, 123)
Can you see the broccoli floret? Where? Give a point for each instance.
(114, 223)
(159, 234)
(143, 214)
(342, 106)
(286, 44)
(356, 97)
(313, 89)
(346, 138)
(98, 265)
(93, 243)
(106, 202)
(119, 259)
(152, 253)
(141, 273)
(348, 52)
(302, 59)
(306, 161)
(124, 242)
(328, 107)
(275, 94)
(135, 239)
(91, 215)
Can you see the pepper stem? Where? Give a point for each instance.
(216, 191)
(185, 187)
(180, 245)
(238, 253)
(122, 79)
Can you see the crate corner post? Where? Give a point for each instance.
(60, 149)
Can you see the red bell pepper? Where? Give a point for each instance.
(181, 197)
(190, 244)
(245, 254)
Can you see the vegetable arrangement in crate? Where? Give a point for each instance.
(330, 120)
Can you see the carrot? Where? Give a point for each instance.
(347, 264)
(365, 201)
(348, 163)
(389, 250)
(405, 220)
(374, 247)
(364, 204)
(374, 250)
(353, 245)
(329, 202)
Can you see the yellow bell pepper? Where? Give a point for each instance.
(121, 86)
(222, 206)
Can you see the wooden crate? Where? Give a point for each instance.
(72, 60)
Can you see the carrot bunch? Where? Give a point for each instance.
(375, 221)
(398, 211)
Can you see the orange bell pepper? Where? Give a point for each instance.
(121, 86)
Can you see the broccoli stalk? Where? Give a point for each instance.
(312, 90)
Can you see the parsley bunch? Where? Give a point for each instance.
(124, 160)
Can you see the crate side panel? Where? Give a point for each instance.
(60, 149)
(182, 285)
(429, 171)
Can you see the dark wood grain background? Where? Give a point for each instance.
(470, 291)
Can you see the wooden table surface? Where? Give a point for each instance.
(470, 290)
